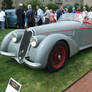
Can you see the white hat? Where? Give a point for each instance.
(46, 7)
(84, 7)
(20, 4)
(73, 8)
(29, 6)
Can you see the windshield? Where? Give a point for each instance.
(71, 17)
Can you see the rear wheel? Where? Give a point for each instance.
(57, 57)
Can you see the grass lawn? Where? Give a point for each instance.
(33, 80)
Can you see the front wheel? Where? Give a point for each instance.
(57, 56)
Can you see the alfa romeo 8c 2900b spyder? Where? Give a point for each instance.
(48, 46)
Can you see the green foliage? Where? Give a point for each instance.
(52, 6)
(7, 4)
(87, 7)
(76, 5)
(69, 7)
(34, 3)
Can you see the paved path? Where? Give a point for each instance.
(84, 84)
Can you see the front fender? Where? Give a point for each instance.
(7, 39)
(42, 52)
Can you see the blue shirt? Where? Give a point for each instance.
(59, 13)
(73, 11)
(39, 14)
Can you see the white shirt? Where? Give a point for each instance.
(85, 13)
(39, 12)
(90, 15)
(2, 16)
(79, 17)
(47, 14)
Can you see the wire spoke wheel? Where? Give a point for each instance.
(57, 57)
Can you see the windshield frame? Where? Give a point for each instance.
(70, 17)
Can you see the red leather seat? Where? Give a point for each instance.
(88, 22)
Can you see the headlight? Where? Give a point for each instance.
(14, 37)
(33, 42)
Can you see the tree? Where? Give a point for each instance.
(69, 7)
(7, 4)
(76, 5)
(34, 3)
(52, 6)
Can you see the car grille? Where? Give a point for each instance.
(24, 45)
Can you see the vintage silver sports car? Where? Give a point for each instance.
(48, 46)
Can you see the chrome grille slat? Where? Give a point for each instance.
(24, 44)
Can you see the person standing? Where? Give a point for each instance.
(30, 14)
(66, 10)
(90, 14)
(73, 10)
(20, 16)
(47, 16)
(78, 15)
(39, 15)
(59, 13)
(2, 19)
(52, 16)
(85, 12)
(78, 11)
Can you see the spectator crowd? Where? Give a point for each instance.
(31, 17)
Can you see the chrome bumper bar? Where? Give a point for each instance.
(32, 65)
(7, 54)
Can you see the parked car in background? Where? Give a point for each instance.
(48, 46)
(11, 18)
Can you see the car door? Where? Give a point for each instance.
(78, 36)
(87, 34)
(83, 35)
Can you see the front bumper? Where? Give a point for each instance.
(30, 64)
(7, 54)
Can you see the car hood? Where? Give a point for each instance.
(54, 27)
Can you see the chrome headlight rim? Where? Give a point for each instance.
(14, 37)
(33, 42)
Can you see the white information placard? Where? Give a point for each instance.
(13, 86)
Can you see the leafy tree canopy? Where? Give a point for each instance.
(34, 3)
(52, 6)
(7, 4)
